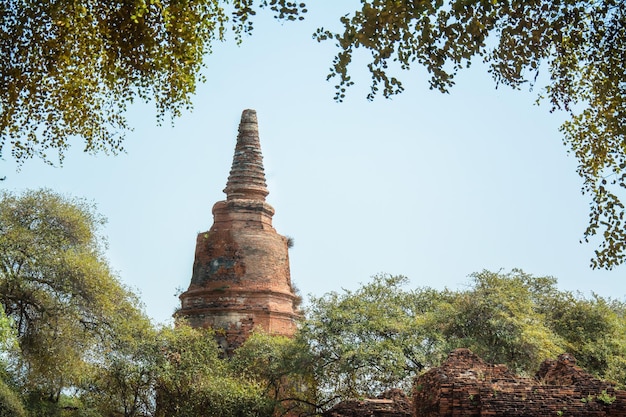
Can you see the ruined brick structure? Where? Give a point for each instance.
(466, 386)
(393, 403)
(241, 278)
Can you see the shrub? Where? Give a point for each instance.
(10, 403)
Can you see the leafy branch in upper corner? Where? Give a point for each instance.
(71, 68)
(581, 44)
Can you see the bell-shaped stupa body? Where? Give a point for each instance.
(241, 277)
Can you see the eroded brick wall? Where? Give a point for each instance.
(466, 386)
(393, 403)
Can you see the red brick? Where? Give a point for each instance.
(466, 386)
(241, 279)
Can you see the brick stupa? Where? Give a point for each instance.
(241, 278)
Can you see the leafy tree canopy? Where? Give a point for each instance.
(71, 68)
(579, 44)
(500, 320)
(283, 367)
(7, 332)
(173, 372)
(64, 304)
(10, 403)
(380, 336)
(372, 339)
(192, 380)
(592, 329)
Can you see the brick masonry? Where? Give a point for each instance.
(393, 403)
(466, 386)
(241, 278)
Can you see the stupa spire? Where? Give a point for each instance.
(247, 176)
(241, 278)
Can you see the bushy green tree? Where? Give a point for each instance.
(173, 372)
(192, 380)
(592, 329)
(123, 381)
(372, 339)
(499, 319)
(71, 68)
(578, 45)
(10, 402)
(283, 367)
(8, 339)
(381, 335)
(65, 305)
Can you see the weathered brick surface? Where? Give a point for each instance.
(241, 278)
(467, 386)
(393, 403)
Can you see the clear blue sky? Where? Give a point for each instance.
(427, 185)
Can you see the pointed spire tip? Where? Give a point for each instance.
(248, 116)
(247, 176)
